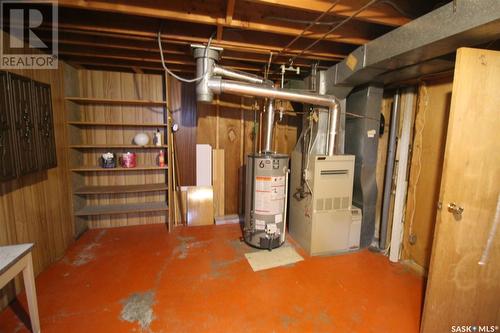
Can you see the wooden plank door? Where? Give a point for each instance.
(463, 287)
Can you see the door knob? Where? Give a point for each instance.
(455, 209)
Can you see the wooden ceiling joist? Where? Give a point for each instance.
(234, 41)
(123, 33)
(89, 57)
(208, 13)
(103, 44)
(230, 11)
(380, 14)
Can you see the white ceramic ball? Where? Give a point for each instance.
(141, 139)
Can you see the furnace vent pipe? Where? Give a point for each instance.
(205, 61)
(268, 137)
(218, 85)
(333, 115)
(239, 75)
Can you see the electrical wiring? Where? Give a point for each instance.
(286, 19)
(329, 32)
(390, 3)
(309, 149)
(173, 74)
(418, 135)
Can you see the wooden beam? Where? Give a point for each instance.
(107, 44)
(75, 65)
(137, 70)
(145, 57)
(206, 13)
(125, 56)
(321, 52)
(115, 41)
(90, 57)
(230, 11)
(103, 63)
(379, 14)
(220, 29)
(130, 42)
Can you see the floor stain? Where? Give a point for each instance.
(324, 317)
(88, 254)
(139, 308)
(181, 251)
(356, 318)
(287, 321)
(298, 309)
(217, 267)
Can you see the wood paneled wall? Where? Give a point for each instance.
(182, 104)
(120, 86)
(230, 123)
(37, 208)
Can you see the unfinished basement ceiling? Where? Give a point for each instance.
(121, 35)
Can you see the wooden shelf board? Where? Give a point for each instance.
(141, 188)
(98, 123)
(122, 209)
(117, 102)
(98, 169)
(115, 146)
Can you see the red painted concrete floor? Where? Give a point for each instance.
(142, 279)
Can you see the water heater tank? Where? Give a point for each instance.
(265, 200)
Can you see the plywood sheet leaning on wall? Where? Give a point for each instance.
(429, 141)
(218, 181)
(200, 205)
(382, 159)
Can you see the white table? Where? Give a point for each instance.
(13, 260)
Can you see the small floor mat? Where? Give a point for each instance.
(265, 259)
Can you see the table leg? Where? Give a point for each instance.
(29, 285)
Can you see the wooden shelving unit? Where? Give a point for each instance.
(139, 195)
(100, 123)
(123, 102)
(117, 169)
(116, 189)
(122, 209)
(115, 146)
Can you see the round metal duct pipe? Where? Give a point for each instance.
(205, 61)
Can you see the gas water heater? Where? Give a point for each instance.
(265, 200)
